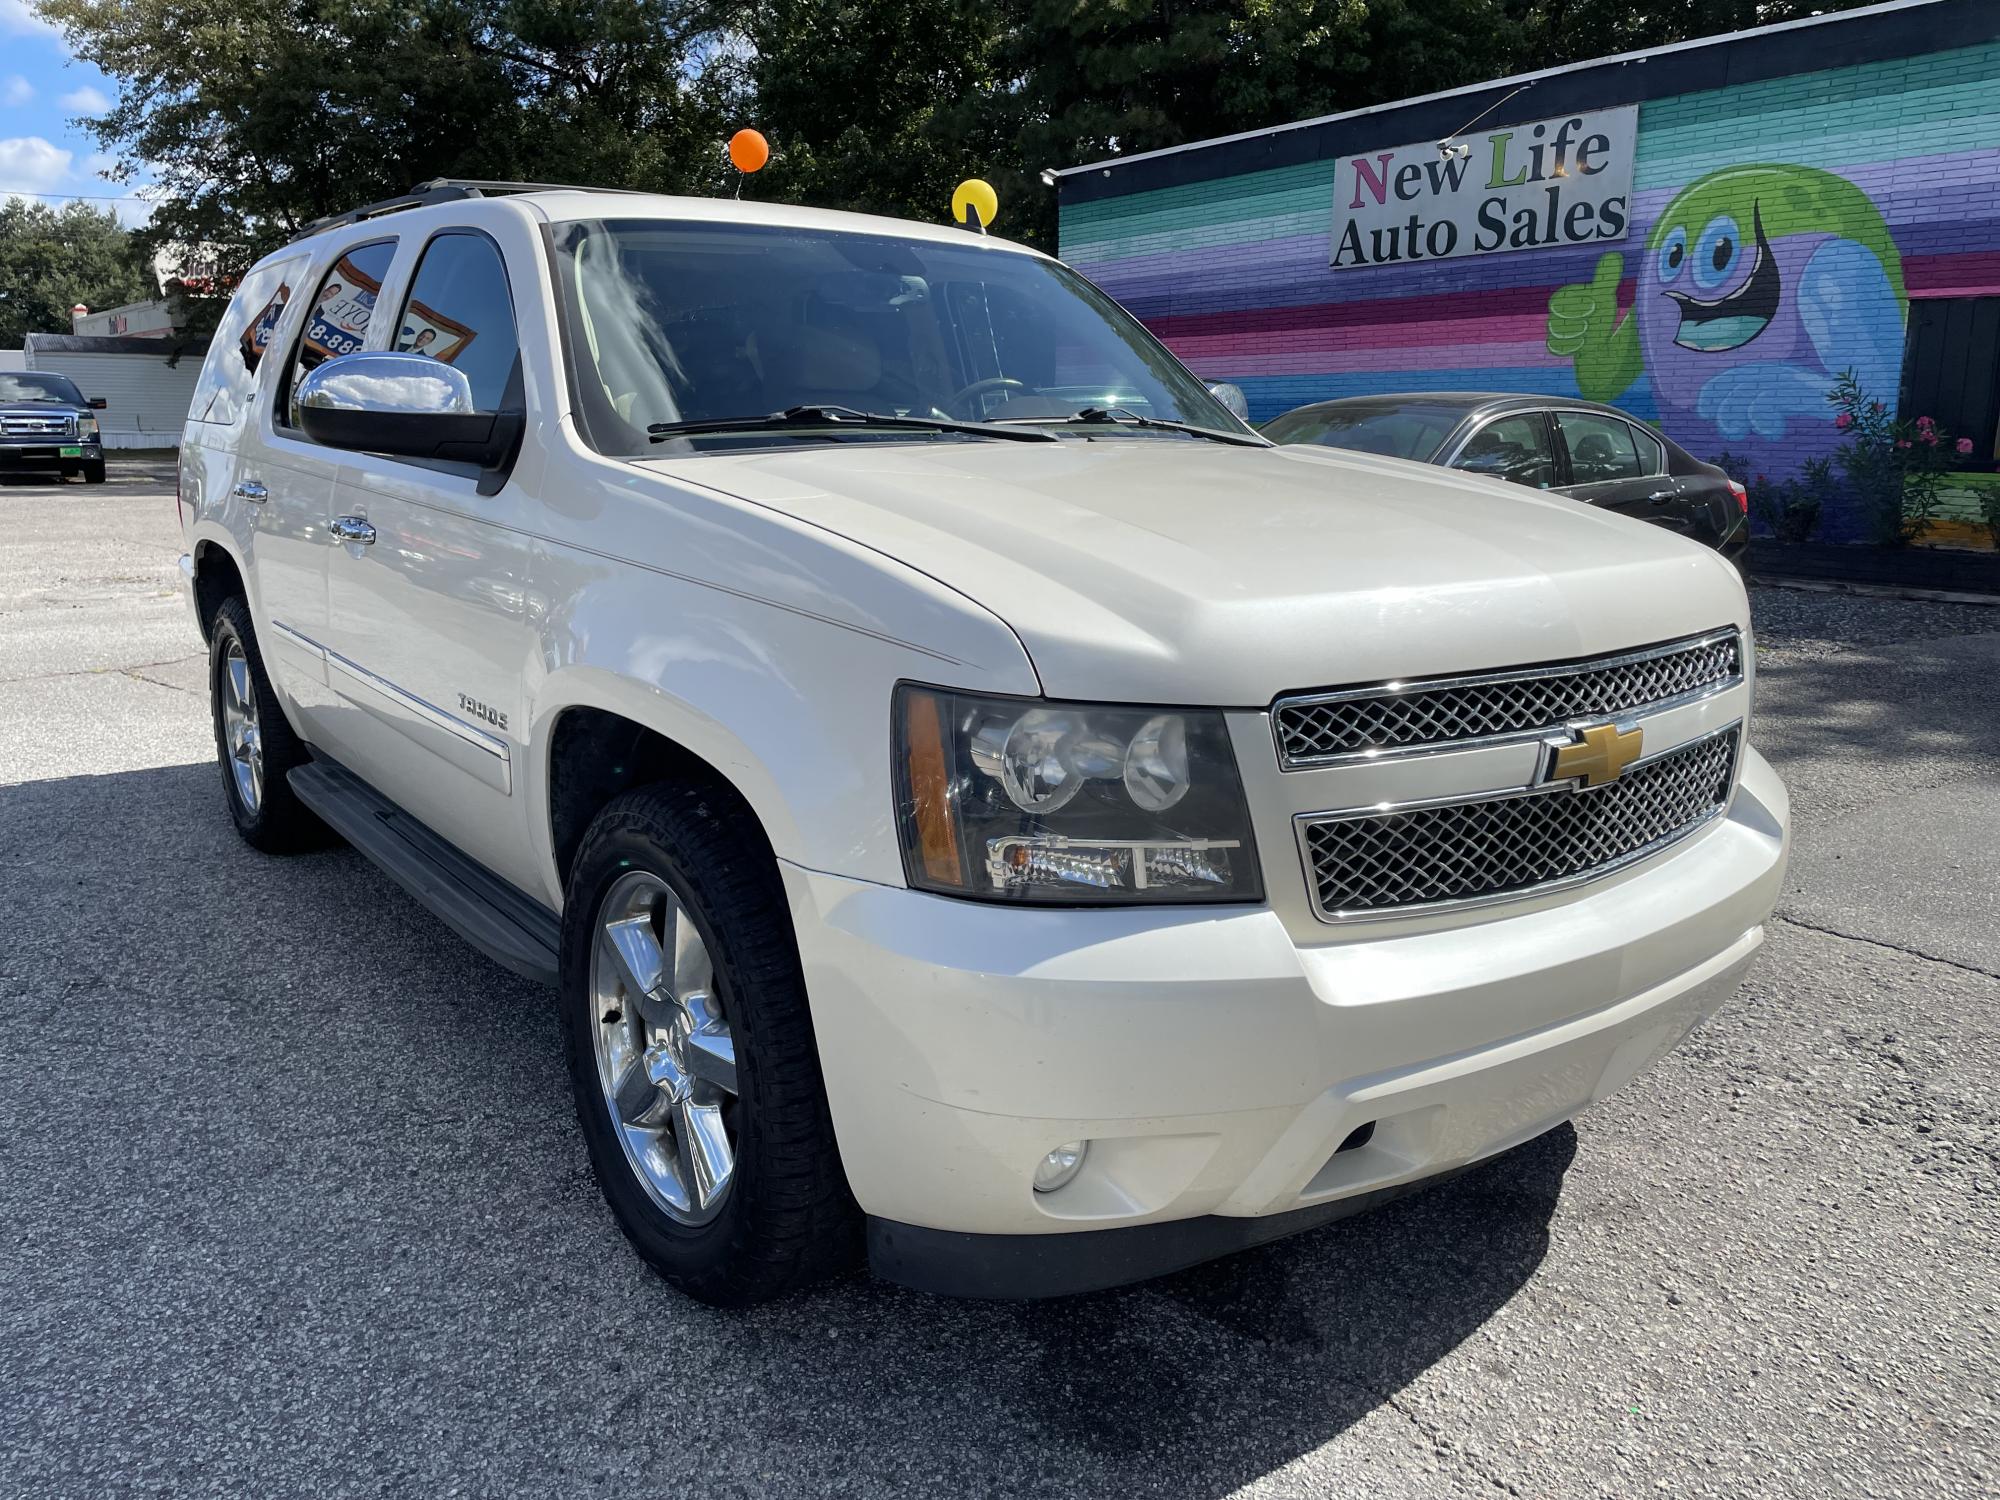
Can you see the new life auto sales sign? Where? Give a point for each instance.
(1563, 181)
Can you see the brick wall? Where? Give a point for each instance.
(1899, 160)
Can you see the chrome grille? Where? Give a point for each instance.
(34, 426)
(1369, 864)
(1317, 728)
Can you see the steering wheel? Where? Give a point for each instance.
(979, 388)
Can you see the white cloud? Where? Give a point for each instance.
(30, 164)
(86, 101)
(18, 18)
(14, 89)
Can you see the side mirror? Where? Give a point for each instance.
(406, 405)
(1232, 397)
(96, 403)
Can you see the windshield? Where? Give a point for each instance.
(1410, 431)
(677, 322)
(20, 385)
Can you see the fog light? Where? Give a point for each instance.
(1060, 1165)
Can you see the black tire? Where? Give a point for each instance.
(93, 471)
(280, 823)
(788, 1219)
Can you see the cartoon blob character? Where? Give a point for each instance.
(1759, 285)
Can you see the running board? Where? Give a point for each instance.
(508, 927)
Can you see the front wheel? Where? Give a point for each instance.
(691, 1052)
(93, 471)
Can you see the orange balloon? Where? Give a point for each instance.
(748, 151)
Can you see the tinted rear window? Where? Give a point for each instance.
(229, 374)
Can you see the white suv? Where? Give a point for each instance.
(981, 806)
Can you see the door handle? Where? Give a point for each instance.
(250, 489)
(1659, 497)
(354, 529)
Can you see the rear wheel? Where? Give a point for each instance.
(253, 742)
(692, 1055)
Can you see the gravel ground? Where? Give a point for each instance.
(292, 1203)
(1818, 622)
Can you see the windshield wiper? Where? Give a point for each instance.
(1120, 417)
(840, 416)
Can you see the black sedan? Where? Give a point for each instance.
(1593, 453)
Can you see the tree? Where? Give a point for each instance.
(258, 119)
(53, 258)
(865, 99)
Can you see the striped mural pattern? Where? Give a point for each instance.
(1233, 272)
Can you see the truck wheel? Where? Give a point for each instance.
(93, 471)
(691, 1052)
(253, 742)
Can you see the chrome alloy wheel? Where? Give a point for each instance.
(240, 733)
(666, 1061)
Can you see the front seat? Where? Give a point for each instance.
(1592, 459)
(805, 365)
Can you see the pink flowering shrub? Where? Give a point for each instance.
(1893, 468)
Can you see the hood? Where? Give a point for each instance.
(1170, 570)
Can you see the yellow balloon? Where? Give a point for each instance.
(975, 195)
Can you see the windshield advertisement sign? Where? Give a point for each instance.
(1561, 181)
(339, 320)
(427, 331)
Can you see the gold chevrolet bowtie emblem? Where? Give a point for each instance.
(1600, 754)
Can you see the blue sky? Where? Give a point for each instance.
(42, 91)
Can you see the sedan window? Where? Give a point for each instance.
(1511, 448)
(1652, 453)
(1600, 448)
(1396, 432)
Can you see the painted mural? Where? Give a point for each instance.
(1779, 232)
(1757, 288)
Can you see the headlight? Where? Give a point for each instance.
(1019, 800)
(86, 427)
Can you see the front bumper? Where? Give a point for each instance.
(49, 453)
(1216, 1065)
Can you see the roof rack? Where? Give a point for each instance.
(444, 190)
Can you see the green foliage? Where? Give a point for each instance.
(1895, 468)
(257, 119)
(1987, 487)
(1789, 508)
(53, 258)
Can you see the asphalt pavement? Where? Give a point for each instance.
(292, 1201)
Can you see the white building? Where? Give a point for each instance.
(150, 319)
(147, 383)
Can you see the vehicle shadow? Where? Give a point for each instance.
(1203, 1381)
(1920, 710)
(350, 1100)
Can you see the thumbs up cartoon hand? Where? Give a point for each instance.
(1584, 327)
(1586, 312)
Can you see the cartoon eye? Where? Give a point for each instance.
(1717, 252)
(1672, 253)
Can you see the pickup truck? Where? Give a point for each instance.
(46, 423)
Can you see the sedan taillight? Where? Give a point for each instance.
(1742, 496)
